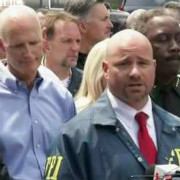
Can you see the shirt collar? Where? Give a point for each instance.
(12, 82)
(124, 111)
(7, 78)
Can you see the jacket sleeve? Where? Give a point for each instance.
(64, 161)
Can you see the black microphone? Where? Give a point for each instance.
(149, 174)
(160, 172)
(164, 172)
(176, 176)
(142, 177)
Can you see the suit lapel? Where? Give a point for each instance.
(165, 130)
(104, 109)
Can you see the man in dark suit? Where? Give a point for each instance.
(123, 132)
(63, 42)
(161, 27)
(94, 24)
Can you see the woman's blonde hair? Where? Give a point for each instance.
(91, 85)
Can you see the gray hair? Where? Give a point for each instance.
(14, 12)
(172, 5)
(133, 18)
(148, 15)
(81, 8)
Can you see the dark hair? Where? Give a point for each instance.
(80, 8)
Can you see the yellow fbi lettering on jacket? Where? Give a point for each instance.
(53, 164)
(175, 156)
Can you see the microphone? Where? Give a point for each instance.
(160, 172)
(176, 176)
(149, 174)
(142, 177)
(166, 172)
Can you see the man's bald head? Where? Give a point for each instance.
(16, 14)
(130, 69)
(128, 40)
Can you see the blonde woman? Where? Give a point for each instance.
(93, 82)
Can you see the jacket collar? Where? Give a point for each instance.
(103, 112)
(168, 118)
(8, 79)
(165, 121)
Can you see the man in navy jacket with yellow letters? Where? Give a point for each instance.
(104, 142)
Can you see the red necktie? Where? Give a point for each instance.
(146, 144)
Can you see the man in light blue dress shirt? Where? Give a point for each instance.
(33, 102)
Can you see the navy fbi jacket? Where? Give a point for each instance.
(95, 146)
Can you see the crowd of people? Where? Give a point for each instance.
(78, 102)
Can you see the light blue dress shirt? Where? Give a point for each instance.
(30, 120)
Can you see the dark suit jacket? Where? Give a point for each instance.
(75, 80)
(168, 97)
(3, 170)
(95, 146)
(81, 60)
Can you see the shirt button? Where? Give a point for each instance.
(140, 159)
(36, 122)
(38, 145)
(124, 133)
(117, 129)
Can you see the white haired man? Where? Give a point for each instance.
(34, 104)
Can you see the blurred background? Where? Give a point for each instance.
(127, 5)
(120, 9)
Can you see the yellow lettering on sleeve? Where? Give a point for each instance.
(50, 168)
(171, 159)
(47, 164)
(54, 177)
(178, 155)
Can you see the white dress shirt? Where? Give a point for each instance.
(125, 114)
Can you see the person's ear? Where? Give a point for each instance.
(105, 68)
(45, 41)
(82, 26)
(2, 45)
(154, 61)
